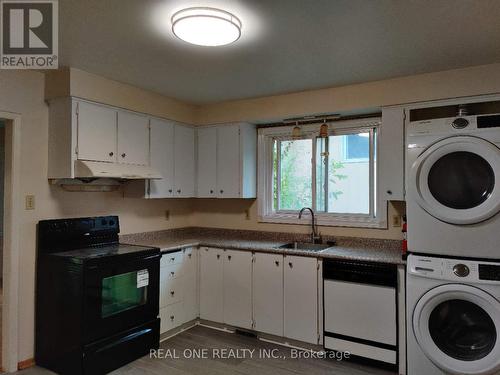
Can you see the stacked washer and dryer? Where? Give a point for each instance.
(453, 274)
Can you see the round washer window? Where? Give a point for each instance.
(461, 180)
(462, 330)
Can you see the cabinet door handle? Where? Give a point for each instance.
(172, 273)
(229, 257)
(111, 153)
(123, 155)
(171, 317)
(290, 264)
(172, 292)
(189, 255)
(179, 191)
(211, 191)
(218, 256)
(170, 190)
(222, 191)
(277, 263)
(172, 259)
(389, 192)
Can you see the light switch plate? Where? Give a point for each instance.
(30, 202)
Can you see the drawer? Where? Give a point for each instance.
(171, 258)
(171, 272)
(171, 317)
(173, 291)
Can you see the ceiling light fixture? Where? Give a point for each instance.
(206, 26)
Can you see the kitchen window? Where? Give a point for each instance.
(336, 175)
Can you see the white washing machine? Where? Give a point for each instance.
(453, 316)
(453, 186)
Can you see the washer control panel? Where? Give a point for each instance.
(454, 269)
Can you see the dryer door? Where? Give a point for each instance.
(457, 327)
(456, 180)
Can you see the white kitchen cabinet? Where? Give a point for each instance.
(268, 293)
(391, 153)
(207, 162)
(211, 284)
(301, 298)
(238, 288)
(97, 127)
(133, 138)
(227, 161)
(162, 158)
(190, 282)
(184, 161)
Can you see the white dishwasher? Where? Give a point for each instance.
(360, 309)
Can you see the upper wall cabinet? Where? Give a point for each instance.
(133, 138)
(172, 153)
(391, 154)
(91, 132)
(96, 126)
(227, 159)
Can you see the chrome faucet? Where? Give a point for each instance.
(315, 237)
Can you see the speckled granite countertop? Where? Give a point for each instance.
(362, 249)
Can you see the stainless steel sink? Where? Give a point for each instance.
(306, 246)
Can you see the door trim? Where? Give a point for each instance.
(12, 204)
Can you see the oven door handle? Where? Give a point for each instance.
(132, 260)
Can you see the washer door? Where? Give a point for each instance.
(454, 180)
(456, 326)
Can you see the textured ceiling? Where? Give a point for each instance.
(286, 45)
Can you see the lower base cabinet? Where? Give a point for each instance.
(238, 288)
(211, 284)
(178, 288)
(268, 293)
(301, 319)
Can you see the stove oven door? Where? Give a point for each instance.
(120, 296)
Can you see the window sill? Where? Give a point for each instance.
(327, 221)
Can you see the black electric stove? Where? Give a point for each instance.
(97, 300)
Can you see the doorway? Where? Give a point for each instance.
(11, 209)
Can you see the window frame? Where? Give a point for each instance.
(377, 218)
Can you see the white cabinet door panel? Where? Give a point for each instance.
(96, 132)
(301, 298)
(211, 285)
(184, 161)
(238, 288)
(268, 293)
(391, 154)
(207, 162)
(133, 138)
(228, 161)
(190, 276)
(162, 158)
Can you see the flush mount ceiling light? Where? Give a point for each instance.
(206, 26)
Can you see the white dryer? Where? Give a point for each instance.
(453, 316)
(453, 186)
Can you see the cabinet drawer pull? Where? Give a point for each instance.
(111, 153)
(172, 273)
(290, 264)
(170, 190)
(172, 317)
(123, 155)
(211, 191)
(172, 293)
(172, 259)
(218, 256)
(222, 191)
(189, 255)
(179, 191)
(277, 263)
(389, 192)
(229, 257)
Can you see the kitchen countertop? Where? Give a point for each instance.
(358, 249)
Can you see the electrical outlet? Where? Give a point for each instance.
(396, 220)
(30, 202)
(247, 214)
(167, 215)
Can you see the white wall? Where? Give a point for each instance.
(23, 92)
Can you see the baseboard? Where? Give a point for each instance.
(27, 363)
